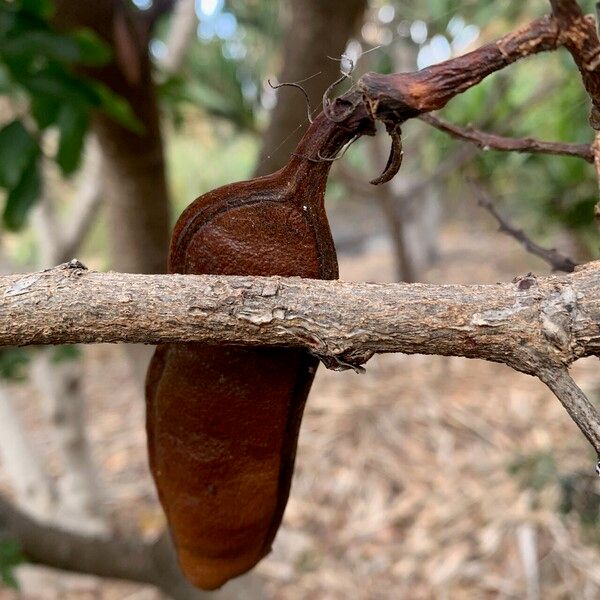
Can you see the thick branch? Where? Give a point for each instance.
(489, 141)
(552, 320)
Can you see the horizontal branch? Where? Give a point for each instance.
(135, 560)
(552, 320)
(490, 141)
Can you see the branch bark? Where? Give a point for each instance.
(400, 96)
(525, 324)
(533, 325)
(490, 141)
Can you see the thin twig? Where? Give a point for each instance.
(490, 141)
(297, 85)
(555, 259)
(581, 410)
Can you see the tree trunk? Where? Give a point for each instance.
(314, 30)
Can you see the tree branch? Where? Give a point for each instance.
(532, 325)
(581, 410)
(151, 563)
(558, 261)
(579, 36)
(489, 141)
(336, 320)
(400, 96)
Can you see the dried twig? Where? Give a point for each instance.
(555, 259)
(490, 141)
(297, 85)
(581, 410)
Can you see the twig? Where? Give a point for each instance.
(581, 410)
(490, 141)
(579, 36)
(555, 259)
(297, 85)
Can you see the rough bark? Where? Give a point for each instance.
(537, 326)
(314, 31)
(525, 324)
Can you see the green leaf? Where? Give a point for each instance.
(13, 362)
(73, 124)
(23, 197)
(17, 147)
(10, 557)
(119, 109)
(40, 8)
(44, 110)
(62, 87)
(33, 45)
(92, 49)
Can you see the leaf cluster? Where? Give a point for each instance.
(40, 73)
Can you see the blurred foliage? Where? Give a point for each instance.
(578, 492)
(212, 82)
(10, 558)
(224, 72)
(534, 471)
(65, 353)
(13, 363)
(37, 77)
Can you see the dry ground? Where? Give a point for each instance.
(428, 477)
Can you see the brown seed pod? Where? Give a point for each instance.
(223, 421)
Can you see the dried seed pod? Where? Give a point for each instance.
(223, 421)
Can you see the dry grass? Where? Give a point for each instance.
(428, 477)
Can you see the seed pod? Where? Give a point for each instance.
(223, 421)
